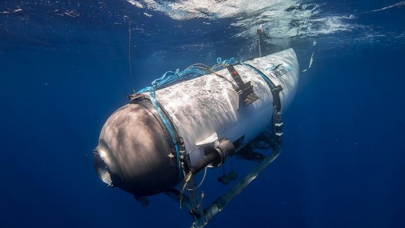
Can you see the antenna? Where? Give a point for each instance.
(259, 34)
(129, 55)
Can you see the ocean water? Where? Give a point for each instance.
(65, 67)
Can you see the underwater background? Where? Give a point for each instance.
(65, 67)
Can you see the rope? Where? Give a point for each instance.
(129, 56)
(205, 173)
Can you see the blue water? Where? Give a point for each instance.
(64, 69)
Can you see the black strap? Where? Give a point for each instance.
(235, 76)
(276, 97)
(275, 91)
(245, 90)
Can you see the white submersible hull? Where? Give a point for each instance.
(166, 134)
(209, 104)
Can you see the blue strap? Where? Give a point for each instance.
(166, 122)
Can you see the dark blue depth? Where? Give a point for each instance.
(343, 160)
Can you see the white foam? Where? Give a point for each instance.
(11, 11)
(278, 18)
(211, 9)
(390, 6)
(136, 3)
(281, 21)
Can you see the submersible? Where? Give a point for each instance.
(187, 121)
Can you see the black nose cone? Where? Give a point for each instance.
(135, 152)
